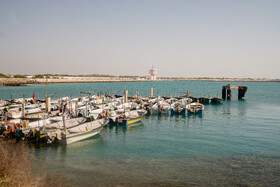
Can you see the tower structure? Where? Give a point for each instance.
(153, 73)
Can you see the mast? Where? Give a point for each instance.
(46, 87)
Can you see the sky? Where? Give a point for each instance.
(181, 38)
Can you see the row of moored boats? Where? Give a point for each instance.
(67, 120)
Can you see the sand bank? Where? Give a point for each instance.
(25, 81)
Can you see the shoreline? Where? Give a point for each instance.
(25, 81)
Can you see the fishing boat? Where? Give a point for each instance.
(161, 106)
(216, 100)
(204, 100)
(178, 108)
(127, 118)
(194, 99)
(74, 133)
(195, 108)
(83, 131)
(135, 116)
(14, 114)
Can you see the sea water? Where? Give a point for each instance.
(235, 143)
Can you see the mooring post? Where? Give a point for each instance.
(48, 104)
(125, 96)
(151, 92)
(241, 91)
(23, 109)
(228, 93)
(224, 92)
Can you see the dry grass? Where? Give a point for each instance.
(19, 168)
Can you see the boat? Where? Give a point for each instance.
(216, 100)
(135, 116)
(161, 106)
(15, 114)
(204, 100)
(194, 99)
(75, 133)
(83, 131)
(178, 108)
(195, 108)
(126, 118)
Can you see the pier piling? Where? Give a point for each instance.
(229, 94)
(226, 91)
(125, 96)
(48, 104)
(137, 94)
(241, 91)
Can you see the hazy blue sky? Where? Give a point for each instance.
(181, 38)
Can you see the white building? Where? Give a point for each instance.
(153, 74)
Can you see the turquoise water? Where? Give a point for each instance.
(232, 144)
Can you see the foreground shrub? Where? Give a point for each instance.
(18, 167)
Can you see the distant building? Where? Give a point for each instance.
(153, 74)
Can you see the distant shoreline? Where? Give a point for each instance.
(25, 81)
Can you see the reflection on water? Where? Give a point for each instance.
(122, 129)
(199, 171)
(117, 129)
(242, 108)
(134, 125)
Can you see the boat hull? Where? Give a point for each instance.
(72, 138)
(83, 131)
(216, 100)
(183, 111)
(132, 121)
(195, 108)
(195, 112)
(204, 100)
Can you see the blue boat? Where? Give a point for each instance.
(216, 100)
(195, 108)
(178, 108)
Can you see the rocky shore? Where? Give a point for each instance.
(25, 81)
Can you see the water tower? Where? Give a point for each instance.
(153, 73)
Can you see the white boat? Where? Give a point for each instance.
(57, 122)
(82, 131)
(178, 108)
(126, 118)
(15, 114)
(195, 108)
(161, 106)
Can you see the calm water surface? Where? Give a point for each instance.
(232, 144)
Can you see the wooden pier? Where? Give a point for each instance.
(226, 91)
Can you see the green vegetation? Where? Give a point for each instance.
(20, 76)
(127, 76)
(3, 76)
(55, 76)
(39, 76)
